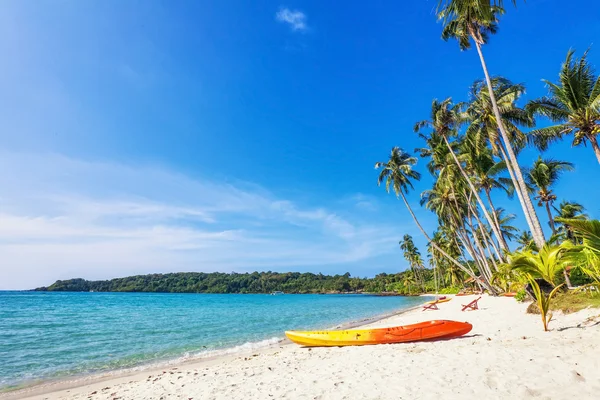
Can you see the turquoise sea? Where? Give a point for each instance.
(56, 335)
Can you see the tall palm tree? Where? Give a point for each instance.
(408, 281)
(574, 103)
(543, 176)
(504, 220)
(487, 178)
(440, 238)
(445, 118)
(453, 275)
(483, 129)
(398, 175)
(413, 256)
(475, 20)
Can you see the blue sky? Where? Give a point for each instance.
(152, 136)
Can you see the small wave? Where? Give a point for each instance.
(187, 357)
(248, 346)
(200, 355)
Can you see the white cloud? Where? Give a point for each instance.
(62, 218)
(295, 18)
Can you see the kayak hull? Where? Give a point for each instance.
(429, 330)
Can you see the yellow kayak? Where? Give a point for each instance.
(429, 330)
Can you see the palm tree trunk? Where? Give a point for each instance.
(483, 209)
(550, 218)
(438, 248)
(489, 197)
(463, 235)
(485, 268)
(594, 142)
(526, 204)
(486, 237)
(517, 189)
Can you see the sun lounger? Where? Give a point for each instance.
(472, 306)
(431, 306)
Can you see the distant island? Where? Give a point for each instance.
(256, 282)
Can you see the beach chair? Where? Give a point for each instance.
(431, 306)
(472, 306)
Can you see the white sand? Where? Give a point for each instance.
(506, 356)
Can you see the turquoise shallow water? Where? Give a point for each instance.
(53, 335)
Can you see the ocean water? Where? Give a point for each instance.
(56, 335)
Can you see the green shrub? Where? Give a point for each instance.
(521, 295)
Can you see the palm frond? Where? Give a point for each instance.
(543, 137)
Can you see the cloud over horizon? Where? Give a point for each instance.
(63, 218)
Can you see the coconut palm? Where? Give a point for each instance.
(526, 242)
(573, 103)
(487, 178)
(453, 275)
(504, 222)
(409, 281)
(475, 20)
(442, 240)
(413, 256)
(543, 176)
(444, 121)
(483, 129)
(449, 207)
(568, 210)
(398, 175)
(436, 150)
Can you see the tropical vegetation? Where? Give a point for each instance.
(471, 151)
(256, 282)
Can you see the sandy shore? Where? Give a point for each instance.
(506, 356)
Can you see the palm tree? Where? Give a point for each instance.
(487, 175)
(526, 242)
(445, 118)
(508, 231)
(440, 237)
(568, 210)
(408, 281)
(467, 20)
(573, 103)
(483, 129)
(398, 175)
(413, 256)
(453, 275)
(543, 176)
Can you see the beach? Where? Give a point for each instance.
(506, 355)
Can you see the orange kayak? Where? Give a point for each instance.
(429, 330)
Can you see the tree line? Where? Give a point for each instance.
(256, 282)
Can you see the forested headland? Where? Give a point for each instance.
(256, 282)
